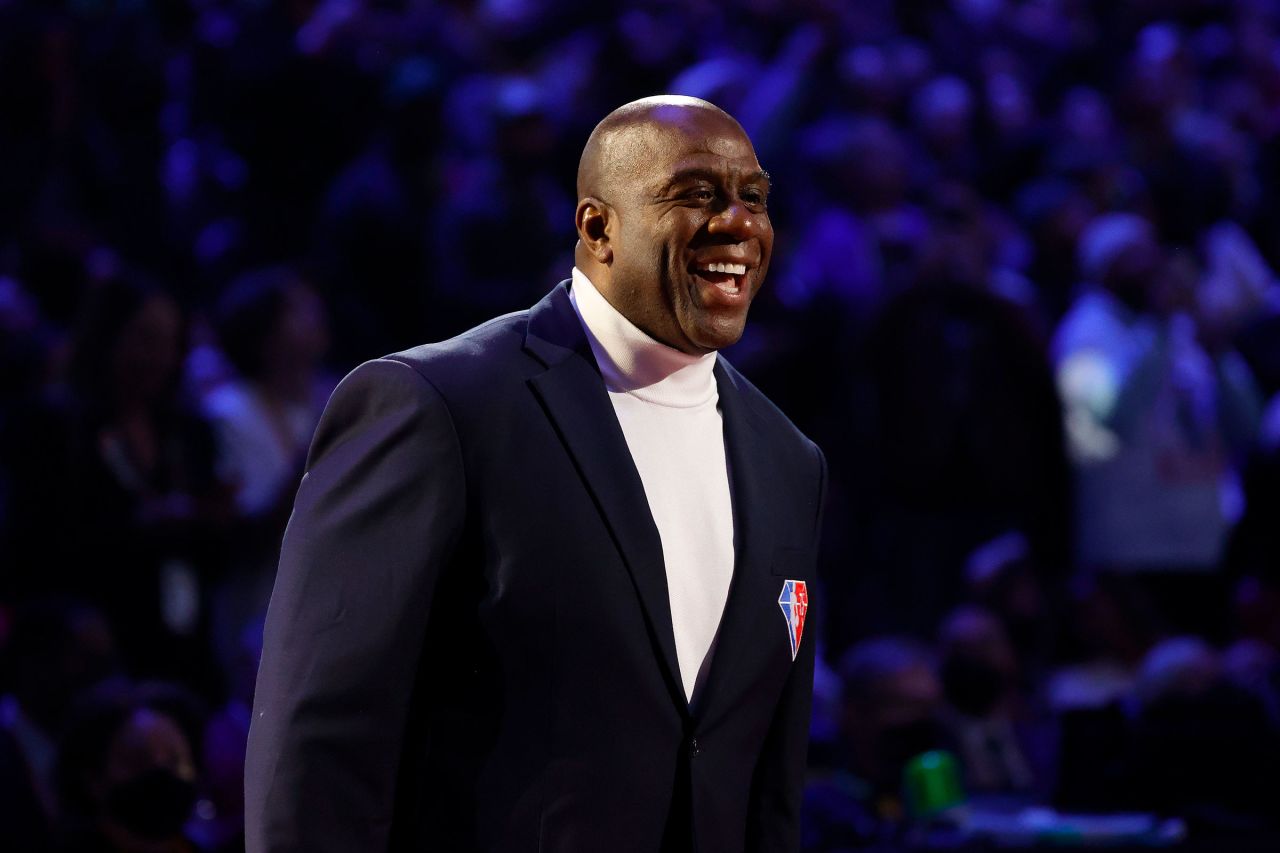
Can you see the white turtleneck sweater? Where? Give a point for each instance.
(666, 402)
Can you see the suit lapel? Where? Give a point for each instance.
(574, 397)
(752, 599)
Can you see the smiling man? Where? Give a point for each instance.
(546, 584)
(669, 189)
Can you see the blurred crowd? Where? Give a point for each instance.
(1023, 296)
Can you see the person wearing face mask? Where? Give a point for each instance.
(892, 698)
(1003, 748)
(890, 712)
(545, 585)
(126, 775)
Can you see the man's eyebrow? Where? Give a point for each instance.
(712, 175)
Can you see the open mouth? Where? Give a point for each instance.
(730, 279)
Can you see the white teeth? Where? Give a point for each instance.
(731, 269)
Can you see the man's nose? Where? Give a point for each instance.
(736, 221)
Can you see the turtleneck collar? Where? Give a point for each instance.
(634, 363)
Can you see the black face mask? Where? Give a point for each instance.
(153, 805)
(973, 686)
(899, 744)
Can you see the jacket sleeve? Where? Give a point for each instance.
(777, 785)
(377, 518)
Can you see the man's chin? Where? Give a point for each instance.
(709, 337)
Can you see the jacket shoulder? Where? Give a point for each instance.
(476, 359)
(492, 342)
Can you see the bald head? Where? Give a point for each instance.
(672, 223)
(619, 147)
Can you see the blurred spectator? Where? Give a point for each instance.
(890, 714)
(121, 504)
(1177, 668)
(1158, 412)
(944, 112)
(1201, 746)
(274, 330)
(1002, 578)
(1054, 211)
(964, 435)
(55, 650)
(373, 246)
(505, 189)
(1254, 667)
(1109, 627)
(863, 231)
(127, 775)
(1001, 748)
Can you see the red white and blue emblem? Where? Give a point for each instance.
(794, 602)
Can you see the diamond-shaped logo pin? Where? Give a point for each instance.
(794, 602)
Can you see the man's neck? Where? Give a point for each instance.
(632, 361)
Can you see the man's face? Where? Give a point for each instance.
(691, 236)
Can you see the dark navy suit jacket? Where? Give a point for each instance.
(469, 646)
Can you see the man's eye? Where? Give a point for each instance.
(753, 197)
(703, 194)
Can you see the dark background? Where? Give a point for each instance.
(1023, 297)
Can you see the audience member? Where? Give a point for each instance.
(121, 504)
(1002, 746)
(274, 330)
(1201, 746)
(127, 775)
(1158, 415)
(56, 650)
(891, 713)
(1002, 578)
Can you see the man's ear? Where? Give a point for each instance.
(592, 220)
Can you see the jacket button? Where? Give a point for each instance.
(694, 746)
